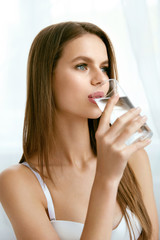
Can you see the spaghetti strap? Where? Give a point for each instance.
(46, 191)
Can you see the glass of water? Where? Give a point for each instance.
(122, 106)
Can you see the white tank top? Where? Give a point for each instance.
(68, 230)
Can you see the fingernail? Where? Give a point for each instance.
(148, 140)
(144, 118)
(137, 109)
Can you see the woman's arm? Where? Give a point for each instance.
(112, 157)
(23, 201)
(140, 164)
(98, 224)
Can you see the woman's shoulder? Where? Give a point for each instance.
(141, 167)
(15, 180)
(15, 174)
(12, 175)
(24, 202)
(17, 168)
(140, 161)
(140, 164)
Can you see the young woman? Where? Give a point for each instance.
(77, 178)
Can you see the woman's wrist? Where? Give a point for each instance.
(105, 183)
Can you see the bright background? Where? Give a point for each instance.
(134, 28)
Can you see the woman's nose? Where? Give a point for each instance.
(98, 77)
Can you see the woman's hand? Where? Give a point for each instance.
(112, 152)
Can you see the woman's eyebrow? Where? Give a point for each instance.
(87, 59)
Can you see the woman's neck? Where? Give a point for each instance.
(72, 141)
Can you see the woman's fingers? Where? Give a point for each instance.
(129, 150)
(121, 122)
(132, 127)
(122, 129)
(105, 117)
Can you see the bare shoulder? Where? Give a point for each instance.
(17, 178)
(11, 178)
(140, 164)
(12, 171)
(19, 184)
(24, 202)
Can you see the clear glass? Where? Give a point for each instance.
(111, 87)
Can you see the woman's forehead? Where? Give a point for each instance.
(88, 45)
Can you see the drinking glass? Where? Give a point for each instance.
(112, 86)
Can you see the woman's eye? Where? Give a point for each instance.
(81, 66)
(105, 69)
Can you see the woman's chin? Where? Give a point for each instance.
(96, 114)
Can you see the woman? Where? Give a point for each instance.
(90, 184)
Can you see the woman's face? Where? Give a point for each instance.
(79, 72)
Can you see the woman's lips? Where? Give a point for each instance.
(92, 100)
(94, 95)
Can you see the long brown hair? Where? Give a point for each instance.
(44, 54)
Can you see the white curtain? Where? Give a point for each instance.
(134, 28)
(142, 19)
(146, 49)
